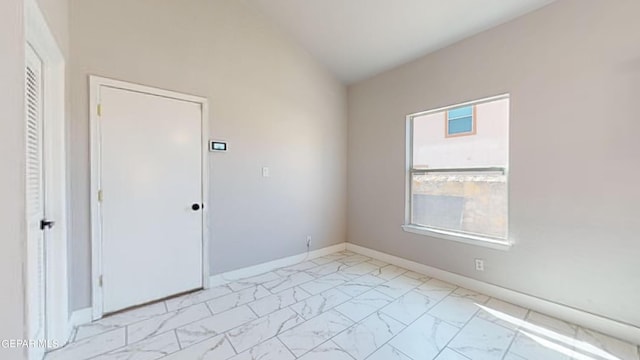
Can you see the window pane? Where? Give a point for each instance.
(488, 147)
(461, 125)
(461, 112)
(474, 203)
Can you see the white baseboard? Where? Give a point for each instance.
(595, 322)
(224, 278)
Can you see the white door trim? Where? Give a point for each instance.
(95, 82)
(39, 36)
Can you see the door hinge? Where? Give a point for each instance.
(100, 281)
(99, 109)
(100, 195)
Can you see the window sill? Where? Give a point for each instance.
(463, 238)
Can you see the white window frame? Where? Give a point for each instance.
(485, 241)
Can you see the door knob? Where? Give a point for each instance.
(46, 224)
(195, 207)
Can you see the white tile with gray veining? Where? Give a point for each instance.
(150, 349)
(459, 307)
(342, 306)
(327, 351)
(320, 303)
(553, 324)
(409, 307)
(326, 269)
(494, 308)
(92, 346)
(214, 348)
(353, 259)
(388, 352)
(278, 301)
(211, 326)
(379, 263)
(387, 272)
(594, 343)
(314, 332)
(528, 348)
(286, 282)
(119, 320)
(338, 255)
(417, 276)
(253, 281)
(292, 269)
(482, 339)
(322, 260)
(364, 305)
(448, 354)
(398, 286)
(424, 338)
(197, 297)
(360, 285)
(236, 299)
(323, 283)
(272, 349)
(359, 269)
(166, 322)
(264, 328)
(364, 338)
(436, 289)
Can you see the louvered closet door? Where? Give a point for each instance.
(35, 195)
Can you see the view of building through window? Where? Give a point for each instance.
(459, 183)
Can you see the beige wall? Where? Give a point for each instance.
(12, 208)
(56, 13)
(273, 103)
(12, 192)
(573, 72)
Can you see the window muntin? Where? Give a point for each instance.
(459, 185)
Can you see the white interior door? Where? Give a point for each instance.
(35, 204)
(151, 184)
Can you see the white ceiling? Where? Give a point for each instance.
(357, 39)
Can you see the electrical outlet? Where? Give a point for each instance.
(308, 241)
(265, 172)
(479, 265)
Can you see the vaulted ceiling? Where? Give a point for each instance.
(357, 39)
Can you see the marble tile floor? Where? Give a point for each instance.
(343, 306)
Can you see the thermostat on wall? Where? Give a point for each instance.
(215, 145)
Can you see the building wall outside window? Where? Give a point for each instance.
(487, 147)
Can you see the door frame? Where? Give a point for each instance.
(40, 38)
(95, 83)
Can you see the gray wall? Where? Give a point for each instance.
(273, 103)
(12, 207)
(573, 72)
(56, 13)
(12, 191)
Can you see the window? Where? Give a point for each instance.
(458, 185)
(461, 121)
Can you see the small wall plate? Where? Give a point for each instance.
(217, 146)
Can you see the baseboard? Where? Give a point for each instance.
(224, 278)
(595, 322)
